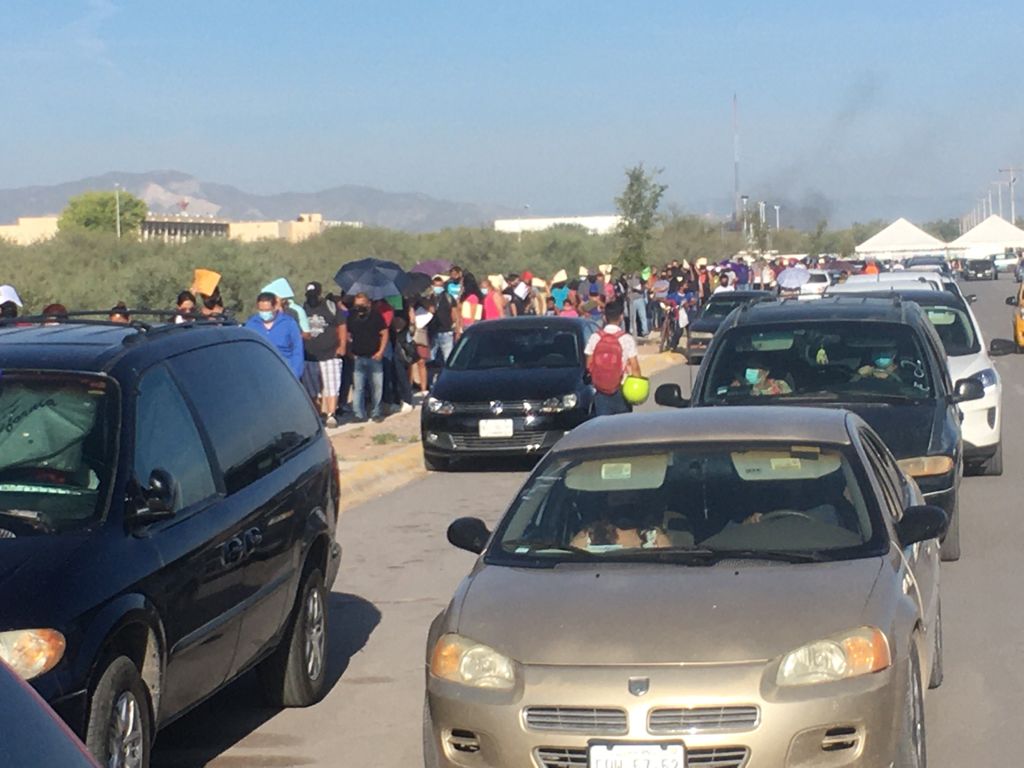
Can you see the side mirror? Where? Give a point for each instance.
(1001, 347)
(966, 390)
(158, 498)
(921, 524)
(1011, 301)
(971, 298)
(469, 533)
(670, 395)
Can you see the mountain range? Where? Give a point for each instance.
(174, 192)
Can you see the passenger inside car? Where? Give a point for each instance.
(624, 524)
(757, 380)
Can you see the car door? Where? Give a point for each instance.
(197, 589)
(258, 441)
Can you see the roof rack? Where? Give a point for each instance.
(101, 318)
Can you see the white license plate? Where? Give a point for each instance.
(637, 756)
(496, 428)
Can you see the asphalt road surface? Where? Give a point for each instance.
(398, 572)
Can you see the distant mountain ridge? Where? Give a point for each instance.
(164, 191)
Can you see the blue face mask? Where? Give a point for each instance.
(438, 290)
(484, 291)
(752, 375)
(453, 291)
(883, 361)
(266, 315)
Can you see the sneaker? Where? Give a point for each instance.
(331, 422)
(378, 419)
(406, 408)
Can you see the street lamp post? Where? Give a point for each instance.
(777, 207)
(745, 199)
(117, 204)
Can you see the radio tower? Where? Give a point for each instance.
(736, 163)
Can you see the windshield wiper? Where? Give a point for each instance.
(783, 555)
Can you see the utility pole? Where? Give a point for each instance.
(999, 189)
(1013, 182)
(990, 202)
(777, 207)
(117, 203)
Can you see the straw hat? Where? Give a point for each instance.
(538, 283)
(605, 269)
(205, 281)
(702, 262)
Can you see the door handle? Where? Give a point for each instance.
(232, 551)
(253, 537)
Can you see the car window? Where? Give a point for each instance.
(58, 433)
(517, 348)
(166, 438)
(887, 476)
(254, 410)
(793, 498)
(835, 360)
(955, 329)
(722, 307)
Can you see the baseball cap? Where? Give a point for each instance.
(314, 287)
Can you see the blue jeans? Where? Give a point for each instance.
(442, 342)
(369, 374)
(610, 405)
(638, 317)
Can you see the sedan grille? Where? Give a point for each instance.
(467, 441)
(597, 722)
(703, 720)
(717, 757)
(513, 408)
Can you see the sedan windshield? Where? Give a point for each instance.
(517, 348)
(57, 434)
(837, 360)
(692, 503)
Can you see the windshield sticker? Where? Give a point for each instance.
(49, 489)
(786, 463)
(614, 472)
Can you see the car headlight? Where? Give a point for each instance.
(862, 651)
(926, 466)
(987, 377)
(440, 407)
(31, 652)
(461, 660)
(559, 404)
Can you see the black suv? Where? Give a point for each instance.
(880, 358)
(168, 502)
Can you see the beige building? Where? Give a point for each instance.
(29, 229)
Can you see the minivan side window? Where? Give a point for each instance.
(254, 409)
(166, 437)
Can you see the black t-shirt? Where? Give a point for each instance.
(442, 320)
(518, 303)
(322, 343)
(365, 333)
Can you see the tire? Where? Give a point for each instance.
(993, 465)
(911, 749)
(430, 756)
(119, 725)
(950, 551)
(295, 675)
(937, 674)
(435, 463)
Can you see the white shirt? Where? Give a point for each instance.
(627, 342)
(722, 289)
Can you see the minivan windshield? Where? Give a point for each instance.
(844, 361)
(797, 502)
(510, 347)
(57, 438)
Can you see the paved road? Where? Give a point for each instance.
(398, 572)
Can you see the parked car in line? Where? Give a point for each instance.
(1005, 263)
(899, 281)
(31, 734)
(512, 387)
(880, 358)
(818, 282)
(983, 268)
(967, 357)
(168, 501)
(719, 305)
(938, 264)
(728, 587)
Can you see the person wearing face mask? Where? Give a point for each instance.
(325, 346)
(279, 329)
(494, 300)
(756, 378)
(445, 327)
(882, 367)
(367, 339)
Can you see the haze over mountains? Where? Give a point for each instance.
(165, 192)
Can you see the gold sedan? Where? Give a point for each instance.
(727, 588)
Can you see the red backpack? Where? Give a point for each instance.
(606, 363)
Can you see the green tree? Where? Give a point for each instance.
(98, 212)
(638, 206)
(947, 230)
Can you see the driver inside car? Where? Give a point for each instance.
(881, 367)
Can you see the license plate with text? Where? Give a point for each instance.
(637, 756)
(496, 428)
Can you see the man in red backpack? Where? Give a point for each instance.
(611, 355)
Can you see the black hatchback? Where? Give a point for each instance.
(512, 387)
(880, 358)
(168, 501)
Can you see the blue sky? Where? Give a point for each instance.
(871, 108)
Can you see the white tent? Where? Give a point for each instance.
(900, 240)
(990, 238)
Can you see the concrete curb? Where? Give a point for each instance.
(365, 480)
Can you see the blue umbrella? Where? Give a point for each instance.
(792, 278)
(377, 278)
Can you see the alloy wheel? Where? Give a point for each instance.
(314, 634)
(125, 744)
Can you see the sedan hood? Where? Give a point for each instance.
(706, 324)
(660, 614)
(506, 384)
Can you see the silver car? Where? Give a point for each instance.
(747, 587)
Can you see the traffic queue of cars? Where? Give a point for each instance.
(750, 581)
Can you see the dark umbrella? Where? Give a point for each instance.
(433, 267)
(377, 278)
(416, 283)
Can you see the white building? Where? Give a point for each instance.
(595, 225)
